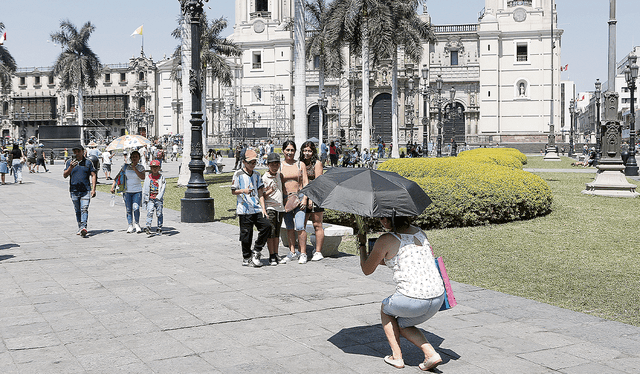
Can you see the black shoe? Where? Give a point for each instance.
(147, 230)
(274, 260)
(159, 231)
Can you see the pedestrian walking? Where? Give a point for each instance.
(40, 159)
(273, 201)
(4, 163)
(153, 196)
(248, 187)
(107, 157)
(133, 175)
(30, 150)
(82, 185)
(17, 160)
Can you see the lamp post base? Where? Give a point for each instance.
(197, 210)
(551, 155)
(631, 169)
(611, 181)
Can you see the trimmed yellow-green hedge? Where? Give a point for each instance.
(479, 187)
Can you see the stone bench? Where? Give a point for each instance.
(332, 237)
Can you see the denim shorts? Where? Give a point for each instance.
(409, 311)
(296, 217)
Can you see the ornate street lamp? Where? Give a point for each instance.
(197, 206)
(598, 134)
(253, 119)
(409, 108)
(436, 99)
(425, 119)
(572, 110)
(631, 74)
(322, 105)
(22, 116)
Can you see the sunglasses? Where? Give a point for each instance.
(252, 162)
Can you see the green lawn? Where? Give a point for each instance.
(583, 256)
(537, 162)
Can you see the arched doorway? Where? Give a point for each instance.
(313, 118)
(381, 118)
(453, 123)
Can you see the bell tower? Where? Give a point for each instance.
(264, 80)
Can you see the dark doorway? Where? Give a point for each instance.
(381, 118)
(453, 123)
(313, 118)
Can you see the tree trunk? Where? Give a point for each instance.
(366, 128)
(394, 106)
(185, 56)
(80, 115)
(321, 111)
(300, 122)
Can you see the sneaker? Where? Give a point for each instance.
(303, 258)
(274, 260)
(83, 232)
(245, 262)
(147, 230)
(130, 229)
(290, 257)
(254, 260)
(317, 256)
(159, 231)
(137, 227)
(79, 232)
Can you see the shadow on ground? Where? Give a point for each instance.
(9, 246)
(371, 341)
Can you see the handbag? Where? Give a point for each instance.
(449, 299)
(121, 181)
(294, 199)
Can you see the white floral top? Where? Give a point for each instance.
(414, 268)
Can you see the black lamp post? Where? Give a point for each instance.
(22, 116)
(409, 109)
(197, 206)
(631, 74)
(572, 110)
(598, 140)
(425, 119)
(322, 105)
(253, 119)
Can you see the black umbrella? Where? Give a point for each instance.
(367, 192)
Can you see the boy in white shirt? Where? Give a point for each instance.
(273, 201)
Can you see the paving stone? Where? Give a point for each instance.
(182, 303)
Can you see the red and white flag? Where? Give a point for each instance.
(564, 68)
(3, 38)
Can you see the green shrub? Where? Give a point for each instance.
(481, 187)
(510, 157)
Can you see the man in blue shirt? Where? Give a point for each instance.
(82, 186)
(247, 185)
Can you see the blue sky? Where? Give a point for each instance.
(29, 23)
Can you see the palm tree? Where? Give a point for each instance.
(7, 66)
(410, 32)
(213, 49)
(331, 61)
(352, 22)
(77, 65)
(300, 110)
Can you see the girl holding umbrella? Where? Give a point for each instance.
(419, 287)
(133, 174)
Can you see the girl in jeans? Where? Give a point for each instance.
(134, 175)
